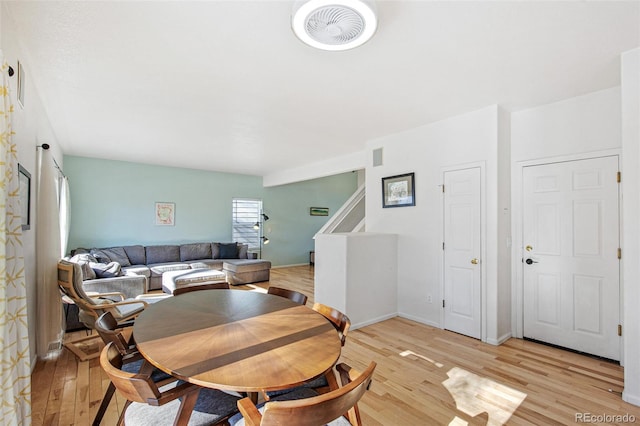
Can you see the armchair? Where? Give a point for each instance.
(92, 305)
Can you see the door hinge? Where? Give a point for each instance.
(619, 253)
(443, 303)
(443, 187)
(619, 329)
(443, 245)
(619, 177)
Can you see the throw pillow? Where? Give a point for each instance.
(242, 251)
(106, 270)
(228, 251)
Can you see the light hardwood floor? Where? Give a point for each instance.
(420, 369)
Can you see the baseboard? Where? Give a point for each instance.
(289, 266)
(631, 399)
(373, 321)
(500, 340)
(420, 320)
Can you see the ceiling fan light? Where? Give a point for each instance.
(334, 24)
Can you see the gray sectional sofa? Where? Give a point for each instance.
(135, 261)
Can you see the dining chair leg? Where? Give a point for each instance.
(186, 407)
(104, 404)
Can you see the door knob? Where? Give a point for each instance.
(475, 261)
(530, 261)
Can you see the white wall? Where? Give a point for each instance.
(356, 273)
(31, 128)
(471, 138)
(630, 102)
(582, 124)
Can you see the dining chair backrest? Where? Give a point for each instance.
(293, 295)
(210, 286)
(110, 331)
(340, 321)
(147, 404)
(322, 409)
(134, 387)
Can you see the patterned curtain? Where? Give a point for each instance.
(15, 362)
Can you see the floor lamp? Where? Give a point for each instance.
(260, 226)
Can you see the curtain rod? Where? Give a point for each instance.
(55, 163)
(46, 146)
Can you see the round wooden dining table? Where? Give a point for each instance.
(237, 340)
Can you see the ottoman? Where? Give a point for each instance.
(245, 271)
(177, 279)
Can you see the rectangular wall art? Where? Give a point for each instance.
(319, 211)
(398, 191)
(165, 213)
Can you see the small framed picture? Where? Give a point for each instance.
(165, 213)
(319, 211)
(24, 179)
(398, 191)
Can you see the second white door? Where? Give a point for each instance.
(462, 262)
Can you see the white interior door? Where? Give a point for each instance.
(462, 263)
(571, 270)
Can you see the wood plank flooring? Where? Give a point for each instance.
(420, 369)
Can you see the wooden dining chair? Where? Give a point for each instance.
(198, 287)
(132, 362)
(340, 321)
(332, 408)
(182, 404)
(326, 381)
(292, 295)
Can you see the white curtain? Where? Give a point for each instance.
(48, 247)
(15, 362)
(64, 206)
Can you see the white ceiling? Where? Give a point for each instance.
(225, 85)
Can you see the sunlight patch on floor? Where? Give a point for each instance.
(475, 395)
(411, 353)
(256, 288)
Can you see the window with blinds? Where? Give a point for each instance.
(246, 213)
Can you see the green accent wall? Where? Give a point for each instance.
(113, 202)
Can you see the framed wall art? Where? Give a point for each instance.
(24, 179)
(398, 191)
(165, 213)
(319, 211)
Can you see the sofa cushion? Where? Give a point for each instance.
(195, 251)
(159, 268)
(228, 251)
(106, 270)
(138, 270)
(135, 254)
(206, 263)
(100, 256)
(162, 254)
(112, 254)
